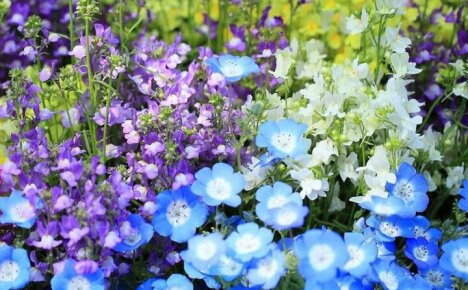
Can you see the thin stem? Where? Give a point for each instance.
(121, 25)
(106, 123)
(70, 24)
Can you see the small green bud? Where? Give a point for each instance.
(32, 27)
(87, 9)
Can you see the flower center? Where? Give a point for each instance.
(22, 212)
(178, 212)
(321, 257)
(206, 250)
(284, 141)
(356, 256)
(247, 243)
(405, 191)
(267, 267)
(389, 279)
(218, 188)
(133, 238)
(9, 271)
(421, 253)
(286, 217)
(228, 266)
(435, 277)
(79, 283)
(276, 201)
(460, 260)
(389, 229)
(231, 69)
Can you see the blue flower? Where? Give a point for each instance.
(14, 267)
(179, 214)
(249, 241)
(463, 202)
(204, 252)
(219, 185)
(455, 258)
(268, 270)
(175, 281)
(233, 68)
(389, 228)
(422, 229)
(388, 206)
(362, 252)
(438, 278)
(279, 207)
(17, 209)
(228, 267)
(422, 253)
(411, 187)
(283, 138)
(69, 278)
(135, 232)
(389, 274)
(320, 253)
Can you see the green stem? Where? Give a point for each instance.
(70, 24)
(121, 26)
(106, 123)
(92, 95)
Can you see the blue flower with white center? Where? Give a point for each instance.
(134, 232)
(362, 252)
(422, 229)
(455, 258)
(385, 250)
(411, 187)
(219, 185)
(391, 205)
(17, 209)
(228, 267)
(463, 202)
(439, 279)
(268, 270)
(249, 241)
(352, 283)
(389, 228)
(317, 285)
(422, 253)
(283, 138)
(279, 207)
(204, 251)
(179, 214)
(174, 282)
(389, 274)
(14, 267)
(233, 68)
(69, 279)
(320, 253)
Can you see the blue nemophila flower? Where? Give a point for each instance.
(455, 258)
(70, 278)
(227, 267)
(134, 233)
(204, 251)
(283, 138)
(411, 187)
(179, 214)
(14, 267)
(389, 274)
(391, 205)
(233, 68)
(389, 228)
(249, 241)
(320, 253)
(353, 283)
(219, 185)
(422, 253)
(362, 252)
(268, 270)
(279, 207)
(463, 202)
(415, 283)
(439, 279)
(175, 281)
(422, 229)
(17, 209)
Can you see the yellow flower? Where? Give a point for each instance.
(354, 41)
(329, 5)
(334, 40)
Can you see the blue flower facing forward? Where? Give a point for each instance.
(219, 185)
(179, 214)
(17, 209)
(134, 232)
(175, 281)
(233, 68)
(14, 268)
(249, 241)
(463, 202)
(422, 252)
(455, 258)
(283, 138)
(362, 252)
(69, 278)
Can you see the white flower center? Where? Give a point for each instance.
(178, 212)
(435, 277)
(267, 267)
(286, 217)
(79, 283)
(218, 188)
(389, 229)
(206, 250)
(421, 253)
(356, 256)
(247, 243)
(22, 212)
(47, 241)
(9, 271)
(133, 238)
(405, 191)
(231, 69)
(284, 141)
(276, 201)
(389, 279)
(228, 266)
(321, 257)
(460, 260)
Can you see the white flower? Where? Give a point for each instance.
(354, 25)
(461, 90)
(401, 65)
(323, 151)
(254, 174)
(284, 60)
(390, 6)
(430, 182)
(336, 203)
(395, 41)
(312, 187)
(347, 167)
(455, 177)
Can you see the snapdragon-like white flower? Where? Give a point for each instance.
(311, 186)
(390, 6)
(284, 60)
(401, 65)
(355, 25)
(347, 167)
(455, 177)
(395, 41)
(323, 151)
(461, 90)
(254, 174)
